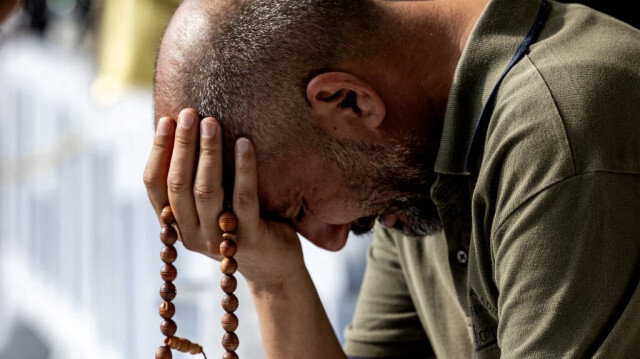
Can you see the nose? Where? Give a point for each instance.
(389, 220)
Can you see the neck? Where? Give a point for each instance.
(424, 43)
(435, 32)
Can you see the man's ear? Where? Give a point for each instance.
(345, 106)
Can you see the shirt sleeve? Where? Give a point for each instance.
(567, 270)
(385, 323)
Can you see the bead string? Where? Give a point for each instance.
(168, 327)
(228, 283)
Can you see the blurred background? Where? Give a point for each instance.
(79, 247)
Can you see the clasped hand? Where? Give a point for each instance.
(185, 170)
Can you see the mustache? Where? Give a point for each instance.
(421, 217)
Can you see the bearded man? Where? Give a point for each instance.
(497, 142)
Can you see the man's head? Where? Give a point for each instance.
(305, 80)
(247, 63)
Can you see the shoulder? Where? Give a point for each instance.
(571, 106)
(526, 148)
(590, 63)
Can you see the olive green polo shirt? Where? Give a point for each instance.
(540, 252)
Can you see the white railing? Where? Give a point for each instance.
(78, 240)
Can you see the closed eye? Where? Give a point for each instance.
(301, 211)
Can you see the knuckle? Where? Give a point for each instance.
(159, 146)
(183, 141)
(208, 150)
(204, 192)
(245, 198)
(150, 179)
(245, 169)
(176, 184)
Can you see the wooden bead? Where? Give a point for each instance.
(230, 341)
(227, 222)
(228, 247)
(228, 265)
(168, 291)
(229, 322)
(169, 272)
(167, 310)
(174, 343)
(228, 283)
(163, 353)
(184, 345)
(169, 254)
(230, 355)
(166, 216)
(195, 349)
(168, 235)
(168, 327)
(230, 303)
(229, 235)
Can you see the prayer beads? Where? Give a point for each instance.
(228, 283)
(228, 266)
(167, 309)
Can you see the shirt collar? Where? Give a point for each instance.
(495, 38)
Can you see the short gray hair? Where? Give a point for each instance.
(253, 67)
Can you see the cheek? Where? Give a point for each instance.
(328, 194)
(334, 204)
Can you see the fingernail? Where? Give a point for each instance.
(242, 145)
(208, 129)
(164, 126)
(187, 118)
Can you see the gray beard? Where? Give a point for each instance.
(392, 178)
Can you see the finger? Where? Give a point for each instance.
(245, 191)
(155, 173)
(207, 189)
(181, 174)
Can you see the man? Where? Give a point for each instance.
(498, 144)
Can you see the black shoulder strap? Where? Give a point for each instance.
(487, 110)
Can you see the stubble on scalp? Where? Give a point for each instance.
(249, 64)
